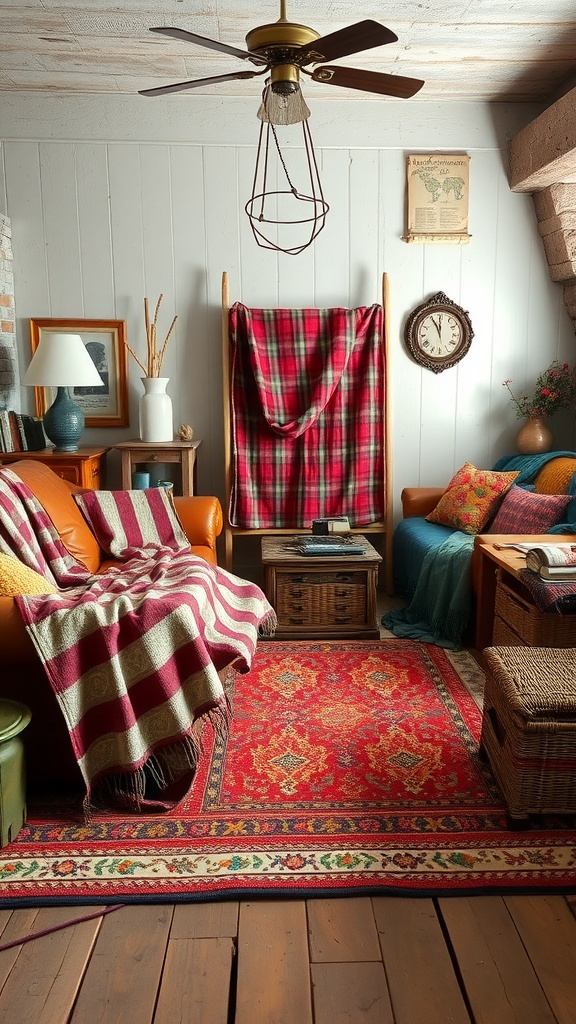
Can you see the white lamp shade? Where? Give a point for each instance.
(61, 360)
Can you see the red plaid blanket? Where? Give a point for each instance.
(307, 394)
(132, 654)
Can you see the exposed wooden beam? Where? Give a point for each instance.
(544, 152)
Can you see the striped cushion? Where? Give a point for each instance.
(125, 520)
(528, 512)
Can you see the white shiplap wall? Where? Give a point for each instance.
(112, 199)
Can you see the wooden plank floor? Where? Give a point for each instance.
(380, 960)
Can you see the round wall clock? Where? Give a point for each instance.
(438, 333)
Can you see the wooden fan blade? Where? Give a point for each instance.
(361, 36)
(368, 81)
(212, 44)
(181, 86)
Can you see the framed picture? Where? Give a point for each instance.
(437, 198)
(105, 340)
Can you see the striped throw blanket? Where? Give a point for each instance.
(307, 396)
(133, 654)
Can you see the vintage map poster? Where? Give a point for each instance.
(437, 187)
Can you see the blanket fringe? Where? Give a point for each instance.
(268, 625)
(162, 769)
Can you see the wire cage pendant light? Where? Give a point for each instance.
(275, 201)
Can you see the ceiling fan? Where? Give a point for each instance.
(286, 49)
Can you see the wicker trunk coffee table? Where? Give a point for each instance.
(529, 728)
(322, 597)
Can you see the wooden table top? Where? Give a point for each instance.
(137, 445)
(282, 549)
(501, 551)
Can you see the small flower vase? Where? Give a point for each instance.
(155, 410)
(534, 437)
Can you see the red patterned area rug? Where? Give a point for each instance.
(351, 767)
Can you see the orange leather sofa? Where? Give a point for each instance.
(49, 754)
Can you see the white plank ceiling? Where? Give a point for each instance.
(494, 50)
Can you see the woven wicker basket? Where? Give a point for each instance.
(534, 627)
(529, 728)
(322, 601)
(504, 636)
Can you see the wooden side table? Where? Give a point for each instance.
(84, 467)
(136, 453)
(493, 562)
(330, 596)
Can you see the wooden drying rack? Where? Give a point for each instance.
(384, 526)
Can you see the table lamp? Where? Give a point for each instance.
(61, 361)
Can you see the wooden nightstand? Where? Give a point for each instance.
(82, 467)
(327, 597)
(137, 453)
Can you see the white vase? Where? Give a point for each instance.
(155, 410)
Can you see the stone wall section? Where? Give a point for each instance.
(556, 212)
(9, 375)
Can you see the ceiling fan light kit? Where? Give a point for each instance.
(279, 107)
(284, 49)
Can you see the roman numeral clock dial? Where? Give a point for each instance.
(438, 333)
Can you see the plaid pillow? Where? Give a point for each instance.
(124, 520)
(529, 512)
(471, 498)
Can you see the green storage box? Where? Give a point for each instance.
(14, 718)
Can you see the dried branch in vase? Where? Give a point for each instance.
(154, 356)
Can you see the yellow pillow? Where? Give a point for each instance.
(555, 476)
(471, 498)
(17, 578)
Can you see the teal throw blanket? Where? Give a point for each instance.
(440, 611)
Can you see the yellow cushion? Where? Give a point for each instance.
(17, 578)
(555, 476)
(471, 498)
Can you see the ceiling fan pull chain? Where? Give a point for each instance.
(264, 176)
(282, 160)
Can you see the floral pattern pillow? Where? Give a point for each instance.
(471, 498)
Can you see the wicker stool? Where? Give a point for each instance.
(529, 728)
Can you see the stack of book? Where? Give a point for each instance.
(330, 544)
(553, 562)
(20, 433)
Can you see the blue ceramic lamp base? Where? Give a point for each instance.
(64, 422)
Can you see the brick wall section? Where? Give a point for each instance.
(9, 376)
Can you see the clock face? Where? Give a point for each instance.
(438, 333)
